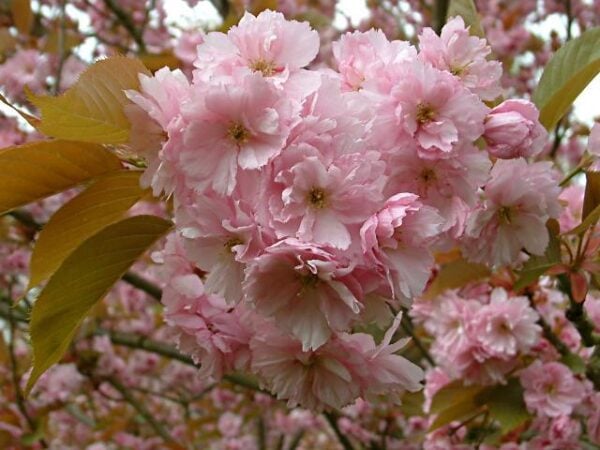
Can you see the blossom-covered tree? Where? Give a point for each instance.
(289, 230)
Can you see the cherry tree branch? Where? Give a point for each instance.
(577, 316)
(440, 11)
(332, 419)
(140, 408)
(127, 23)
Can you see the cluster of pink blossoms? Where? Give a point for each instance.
(478, 339)
(308, 202)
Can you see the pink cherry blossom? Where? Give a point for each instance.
(551, 389)
(305, 289)
(186, 49)
(24, 68)
(232, 126)
(463, 55)
(210, 330)
(361, 57)
(506, 326)
(336, 373)
(267, 44)
(313, 379)
(512, 130)
(326, 202)
(221, 235)
(383, 371)
(434, 108)
(519, 199)
(394, 239)
(572, 198)
(156, 112)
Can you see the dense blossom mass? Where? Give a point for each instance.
(376, 239)
(312, 198)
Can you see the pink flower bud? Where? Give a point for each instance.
(512, 130)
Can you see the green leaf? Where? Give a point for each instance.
(569, 71)
(155, 61)
(412, 403)
(92, 110)
(574, 362)
(505, 404)
(590, 220)
(467, 10)
(454, 402)
(84, 277)
(40, 169)
(536, 266)
(104, 202)
(592, 193)
(454, 275)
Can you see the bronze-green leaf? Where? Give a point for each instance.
(454, 402)
(22, 15)
(40, 169)
(592, 193)
(505, 404)
(590, 220)
(104, 202)
(84, 277)
(467, 10)
(92, 110)
(569, 71)
(454, 275)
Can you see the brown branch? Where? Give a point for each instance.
(62, 54)
(127, 23)
(440, 11)
(16, 379)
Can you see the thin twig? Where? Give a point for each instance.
(141, 409)
(577, 316)
(332, 420)
(127, 23)
(143, 284)
(78, 414)
(548, 333)
(408, 327)
(296, 440)
(261, 434)
(143, 343)
(569, 11)
(25, 218)
(19, 397)
(62, 54)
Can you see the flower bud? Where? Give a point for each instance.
(512, 130)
